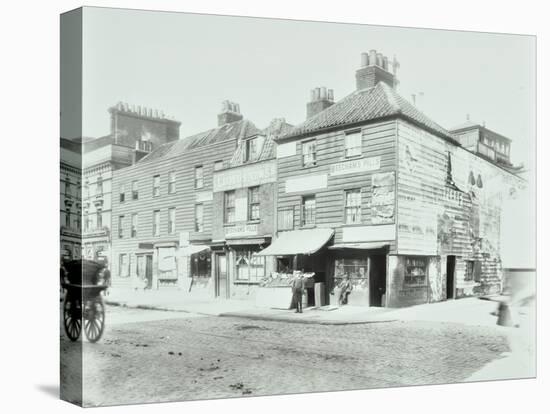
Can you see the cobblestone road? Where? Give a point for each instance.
(186, 357)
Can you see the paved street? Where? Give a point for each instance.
(153, 356)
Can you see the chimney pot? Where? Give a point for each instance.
(312, 95)
(379, 59)
(331, 95)
(385, 62)
(323, 92)
(372, 57)
(364, 59)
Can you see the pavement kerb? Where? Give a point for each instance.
(303, 321)
(277, 318)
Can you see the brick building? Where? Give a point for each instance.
(371, 188)
(70, 203)
(135, 132)
(163, 214)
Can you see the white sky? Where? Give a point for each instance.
(186, 64)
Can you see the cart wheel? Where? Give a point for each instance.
(94, 319)
(72, 318)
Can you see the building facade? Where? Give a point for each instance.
(371, 189)
(163, 223)
(70, 203)
(135, 132)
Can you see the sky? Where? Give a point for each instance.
(187, 64)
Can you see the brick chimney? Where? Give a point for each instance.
(374, 68)
(320, 99)
(230, 112)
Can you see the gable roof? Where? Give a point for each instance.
(233, 130)
(380, 101)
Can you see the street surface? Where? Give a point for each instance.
(151, 356)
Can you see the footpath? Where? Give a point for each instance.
(470, 311)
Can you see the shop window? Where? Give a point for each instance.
(200, 265)
(308, 211)
(229, 207)
(254, 203)
(353, 207)
(249, 268)
(356, 269)
(167, 263)
(123, 265)
(416, 271)
(353, 144)
(309, 155)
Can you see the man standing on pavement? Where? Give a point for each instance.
(297, 291)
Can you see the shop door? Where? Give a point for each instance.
(222, 286)
(377, 280)
(149, 270)
(451, 262)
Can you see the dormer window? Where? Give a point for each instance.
(251, 149)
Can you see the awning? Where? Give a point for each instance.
(360, 246)
(298, 242)
(194, 248)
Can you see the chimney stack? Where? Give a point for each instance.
(321, 99)
(230, 112)
(374, 68)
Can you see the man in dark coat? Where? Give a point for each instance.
(298, 286)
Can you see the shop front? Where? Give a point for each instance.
(358, 274)
(297, 252)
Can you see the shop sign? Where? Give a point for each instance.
(245, 176)
(241, 230)
(355, 166)
(306, 183)
(384, 232)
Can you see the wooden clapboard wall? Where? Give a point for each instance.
(184, 198)
(378, 140)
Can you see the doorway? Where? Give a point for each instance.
(451, 264)
(149, 270)
(221, 284)
(377, 280)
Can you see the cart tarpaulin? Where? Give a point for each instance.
(294, 242)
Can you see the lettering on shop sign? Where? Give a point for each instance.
(245, 176)
(241, 230)
(203, 196)
(355, 166)
(306, 183)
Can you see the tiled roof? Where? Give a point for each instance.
(233, 130)
(277, 127)
(363, 105)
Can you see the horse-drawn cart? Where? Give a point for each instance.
(83, 305)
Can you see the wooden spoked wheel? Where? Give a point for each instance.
(94, 319)
(72, 318)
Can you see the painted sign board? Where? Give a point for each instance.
(245, 176)
(306, 183)
(355, 166)
(384, 232)
(240, 230)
